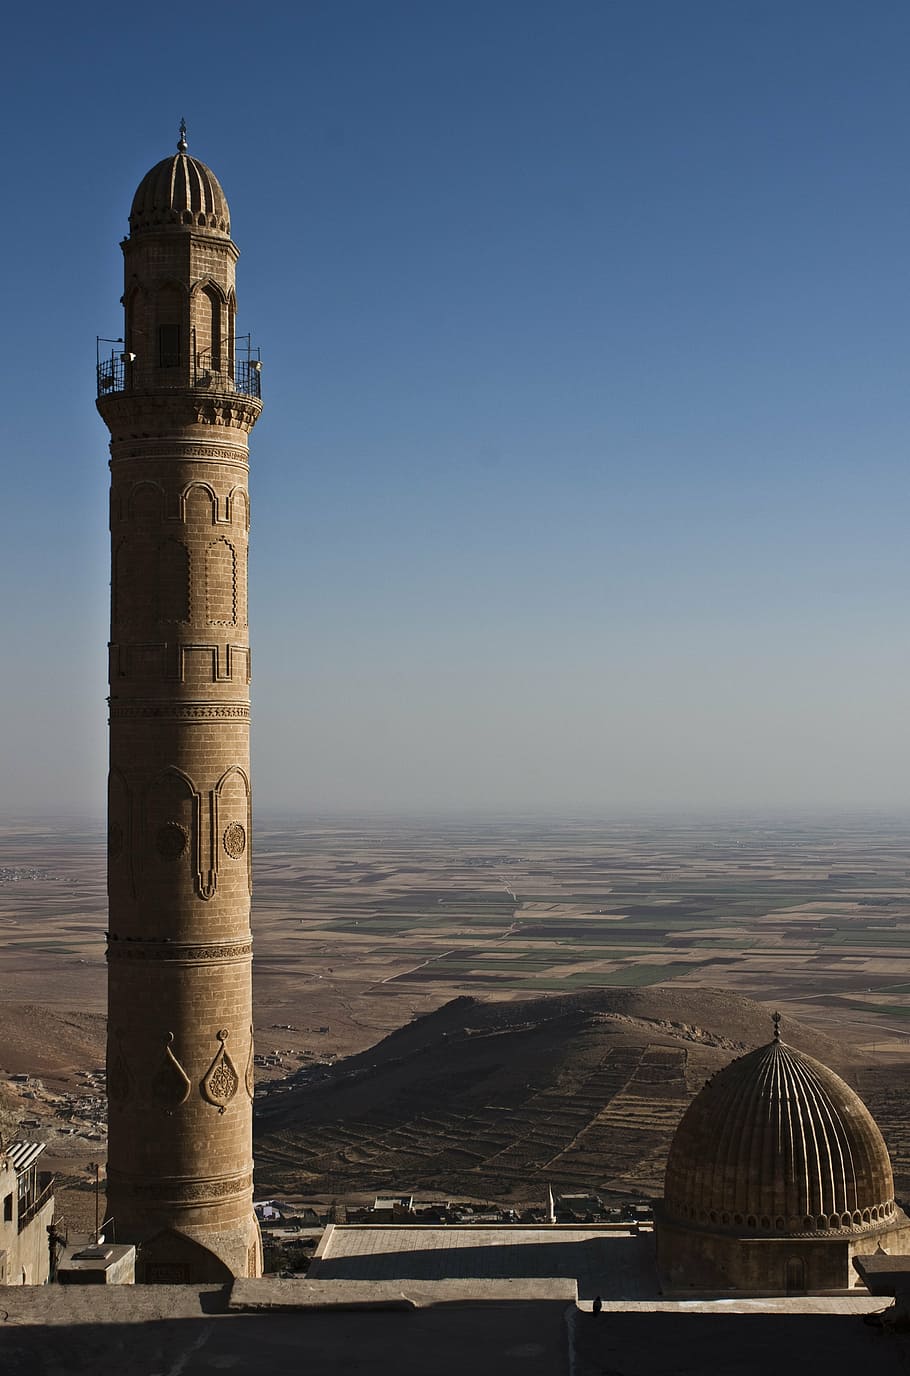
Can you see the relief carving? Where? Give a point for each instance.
(160, 950)
(234, 840)
(181, 711)
(188, 1191)
(171, 1085)
(220, 1082)
(171, 841)
(221, 583)
(250, 1073)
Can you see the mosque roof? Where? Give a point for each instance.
(777, 1142)
(180, 191)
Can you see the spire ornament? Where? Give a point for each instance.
(775, 1018)
(181, 142)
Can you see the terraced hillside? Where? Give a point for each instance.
(498, 1100)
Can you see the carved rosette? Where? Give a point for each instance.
(221, 1081)
(171, 1085)
(234, 840)
(171, 841)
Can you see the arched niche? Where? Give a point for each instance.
(220, 583)
(233, 827)
(199, 505)
(145, 505)
(170, 834)
(173, 581)
(133, 599)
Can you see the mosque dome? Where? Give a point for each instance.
(778, 1143)
(182, 191)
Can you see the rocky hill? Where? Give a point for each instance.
(498, 1100)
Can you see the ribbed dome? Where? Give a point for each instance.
(180, 190)
(779, 1143)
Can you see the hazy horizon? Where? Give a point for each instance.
(581, 478)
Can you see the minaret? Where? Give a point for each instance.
(180, 396)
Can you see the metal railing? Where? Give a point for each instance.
(248, 377)
(111, 372)
(37, 1204)
(119, 371)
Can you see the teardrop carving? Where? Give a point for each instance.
(250, 1075)
(221, 1081)
(171, 1085)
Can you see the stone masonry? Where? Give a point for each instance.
(180, 407)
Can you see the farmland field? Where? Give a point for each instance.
(361, 926)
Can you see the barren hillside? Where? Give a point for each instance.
(497, 1100)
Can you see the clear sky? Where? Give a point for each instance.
(582, 478)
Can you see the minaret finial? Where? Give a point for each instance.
(181, 142)
(775, 1018)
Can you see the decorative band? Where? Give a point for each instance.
(180, 711)
(168, 950)
(182, 1191)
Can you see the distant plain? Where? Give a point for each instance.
(362, 925)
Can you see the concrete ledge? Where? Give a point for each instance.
(250, 1296)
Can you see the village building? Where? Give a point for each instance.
(27, 1199)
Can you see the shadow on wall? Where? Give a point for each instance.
(614, 1268)
(507, 1340)
(679, 1344)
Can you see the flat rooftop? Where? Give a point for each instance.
(614, 1263)
(448, 1327)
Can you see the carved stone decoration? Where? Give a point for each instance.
(171, 841)
(192, 1191)
(180, 711)
(250, 1074)
(235, 840)
(158, 950)
(221, 1081)
(119, 1080)
(171, 1085)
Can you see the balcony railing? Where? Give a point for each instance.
(120, 371)
(37, 1203)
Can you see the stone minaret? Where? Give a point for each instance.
(180, 397)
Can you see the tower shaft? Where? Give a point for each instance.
(180, 1034)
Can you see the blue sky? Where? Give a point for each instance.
(581, 479)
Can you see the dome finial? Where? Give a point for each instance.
(181, 142)
(775, 1018)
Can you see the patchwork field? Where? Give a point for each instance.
(814, 918)
(361, 927)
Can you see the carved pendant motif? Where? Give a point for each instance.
(221, 1081)
(171, 1085)
(250, 1075)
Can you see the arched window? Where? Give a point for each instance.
(213, 311)
(170, 314)
(231, 313)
